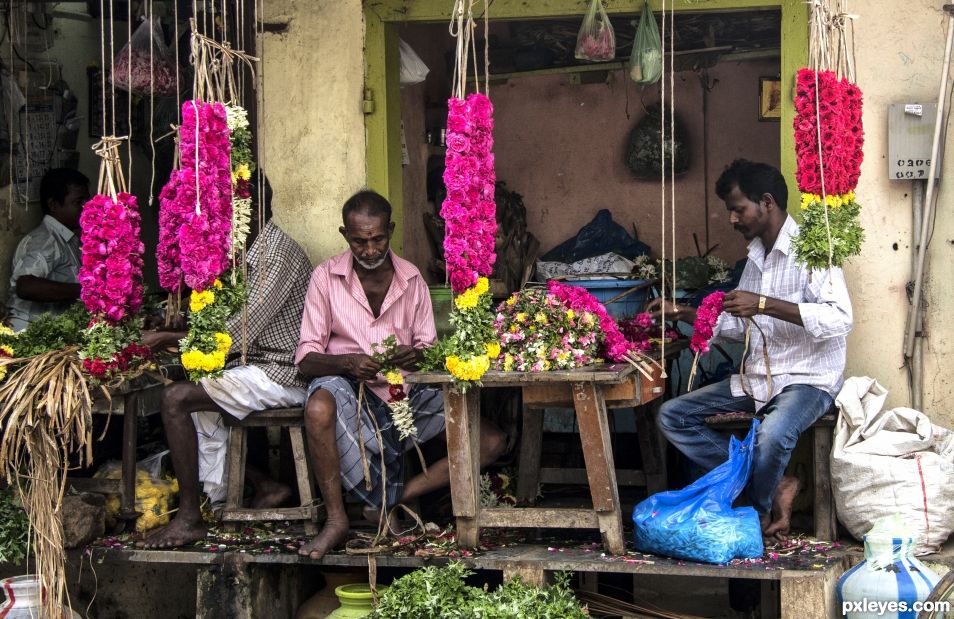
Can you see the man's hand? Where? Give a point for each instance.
(741, 304)
(362, 367)
(157, 340)
(406, 357)
(673, 311)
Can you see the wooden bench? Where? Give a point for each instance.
(826, 525)
(292, 419)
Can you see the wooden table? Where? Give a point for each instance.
(588, 389)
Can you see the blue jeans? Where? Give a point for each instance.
(787, 415)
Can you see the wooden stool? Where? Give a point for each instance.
(293, 419)
(826, 525)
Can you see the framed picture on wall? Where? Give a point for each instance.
(770, 98)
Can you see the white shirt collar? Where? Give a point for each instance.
(58, 229)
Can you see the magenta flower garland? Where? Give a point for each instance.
(194, 233)
(615, 346)
(707, 316)
(111, 270)
(469, 209)
(169, 262)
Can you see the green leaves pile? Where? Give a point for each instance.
(441, 593)
(14, 528)
(49, 332)
(847, 235)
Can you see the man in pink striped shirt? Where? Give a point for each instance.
(356, 299)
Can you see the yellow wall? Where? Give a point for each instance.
(900, 60)
(314, 145)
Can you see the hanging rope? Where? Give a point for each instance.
(662, 188)
(215, 68)
(111, 179)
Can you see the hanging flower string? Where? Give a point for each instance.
(707, 316)
(243, 166)
(471, 225)
(195, 236)
(828, 142)
(110, 274)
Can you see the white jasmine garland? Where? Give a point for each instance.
(236, 117)
(403, 418)
(241, 222)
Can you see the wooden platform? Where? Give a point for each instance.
(802, 582)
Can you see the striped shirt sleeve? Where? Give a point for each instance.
(827, 312)
(316, 319)
(425, 331)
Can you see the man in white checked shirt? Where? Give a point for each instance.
(805, 316)
(278, 272)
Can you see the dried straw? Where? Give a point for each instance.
(46, 417)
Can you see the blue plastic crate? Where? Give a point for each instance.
(606, 289)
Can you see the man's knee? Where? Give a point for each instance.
(320, 410)
(668, 415)
(176, 399)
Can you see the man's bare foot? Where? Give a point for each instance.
(782, 508)
(177, 533)
(330, 537)
(270, 494)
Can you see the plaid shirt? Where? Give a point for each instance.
(278, 275)
(813, 354)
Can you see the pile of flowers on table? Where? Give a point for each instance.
(558, 328)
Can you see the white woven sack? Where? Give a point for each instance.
(891, 461)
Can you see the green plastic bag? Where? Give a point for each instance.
(645, 63)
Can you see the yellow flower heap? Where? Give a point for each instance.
(6, 351)
(474, 344)
(207, 344)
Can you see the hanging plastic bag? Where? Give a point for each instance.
(645, 63)
(698, 522)
(596, 40)
(131, 64)
(413, 69)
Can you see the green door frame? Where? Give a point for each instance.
(382, 96)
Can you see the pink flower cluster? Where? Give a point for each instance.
(196, 244)
(110, 275)
(640, 328)
(706, 318)
(842, 135)
(615, 345)
(469, 209)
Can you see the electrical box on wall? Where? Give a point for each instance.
(910, 137)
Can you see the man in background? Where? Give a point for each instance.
(47, 261)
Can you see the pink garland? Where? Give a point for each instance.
(469, 209)
(706, 318)
(168, 258)
(615, 345)
(197, 244)
(111, 270)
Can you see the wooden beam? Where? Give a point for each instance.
(439, 10)
(539, 517)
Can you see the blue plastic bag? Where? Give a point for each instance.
(698, 522)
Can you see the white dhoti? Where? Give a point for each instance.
(239, 391)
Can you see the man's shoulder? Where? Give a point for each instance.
(405, 267)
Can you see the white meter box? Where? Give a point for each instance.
(910, 133)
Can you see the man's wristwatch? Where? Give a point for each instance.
(761, 304)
